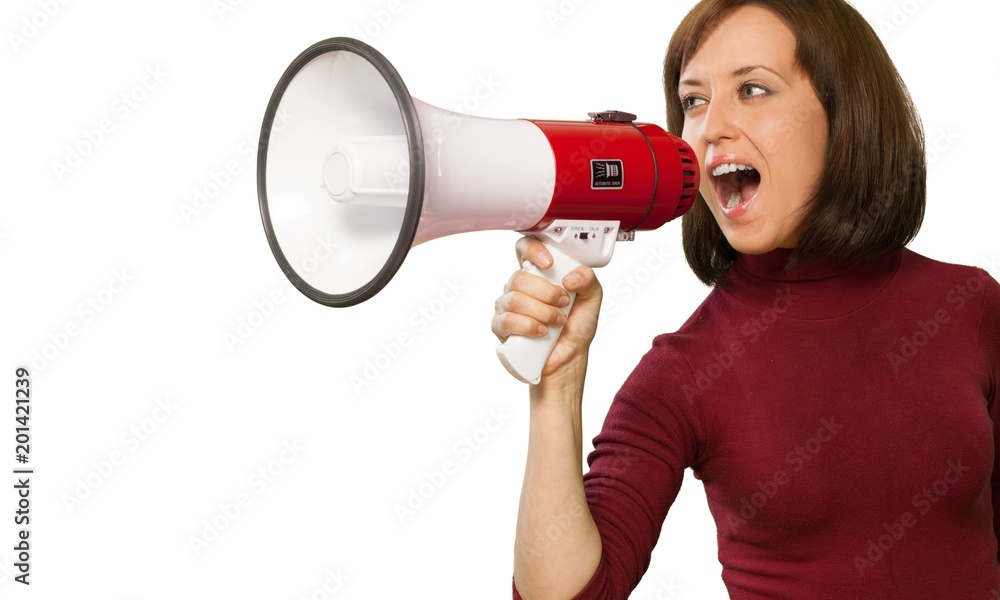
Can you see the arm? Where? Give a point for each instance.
(557, 546)
(591, 537)
(650, 435)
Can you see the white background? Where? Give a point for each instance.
(113, 515)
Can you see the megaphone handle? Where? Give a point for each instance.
(525, 357)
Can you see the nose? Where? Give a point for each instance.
(718, 124)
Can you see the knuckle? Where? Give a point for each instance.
(517, 302)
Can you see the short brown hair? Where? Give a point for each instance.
(871, 195)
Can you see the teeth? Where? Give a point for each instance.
(730, 168)
(734, 200)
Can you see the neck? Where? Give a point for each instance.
(819, 289)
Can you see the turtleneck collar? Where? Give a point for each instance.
(811, 290)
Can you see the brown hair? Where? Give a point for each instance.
(871, 195)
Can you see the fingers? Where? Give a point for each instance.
(529, 306)
(581, 280)
(537, 287)
(529, 248)
(507, 324)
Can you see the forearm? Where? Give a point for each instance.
(557, 546)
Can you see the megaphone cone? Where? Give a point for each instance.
(355, 172)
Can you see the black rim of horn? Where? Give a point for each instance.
(415, 196)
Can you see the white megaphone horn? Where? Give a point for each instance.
(352, 172)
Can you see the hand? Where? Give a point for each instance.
(530, 305)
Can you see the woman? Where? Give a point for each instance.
(836, 393)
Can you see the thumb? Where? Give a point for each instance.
(583, 281)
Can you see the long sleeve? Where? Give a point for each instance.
(845, 424)
(636, 468)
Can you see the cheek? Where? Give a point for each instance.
(806, 158)
(797, 142)
(690, 135)
(698, 145)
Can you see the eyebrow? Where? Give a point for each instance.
(741, 72)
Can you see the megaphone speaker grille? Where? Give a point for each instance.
(340, 172)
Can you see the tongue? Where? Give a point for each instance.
(746, 185)
(735, 199)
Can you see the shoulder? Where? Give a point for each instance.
(963, 289)
(666, 368)
(956, 276)
(935, 272)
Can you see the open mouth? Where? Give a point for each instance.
(735, 184)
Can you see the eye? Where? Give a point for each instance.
(688, 103)
(752, 90)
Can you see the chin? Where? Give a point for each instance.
(750, 244)
(746, 239)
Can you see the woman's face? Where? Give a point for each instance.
(756, 124)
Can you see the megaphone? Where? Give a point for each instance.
(352, 172)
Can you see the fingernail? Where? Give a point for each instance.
(564, 300)
(542, 330)
(544, 262)
(560, 321)
(573, 279)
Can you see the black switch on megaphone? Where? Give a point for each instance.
(352, 172)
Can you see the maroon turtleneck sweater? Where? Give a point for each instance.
(842, 421)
